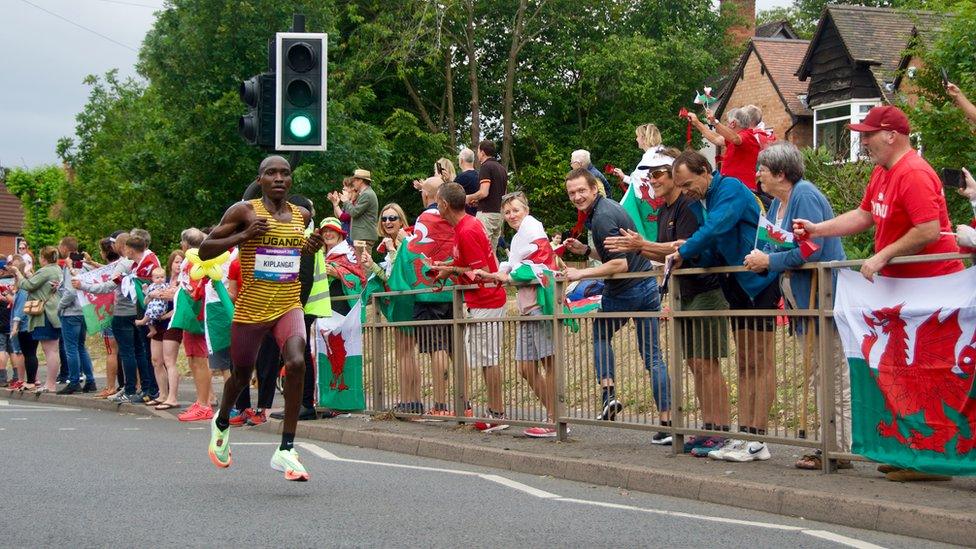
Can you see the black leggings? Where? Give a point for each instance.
(29, 347)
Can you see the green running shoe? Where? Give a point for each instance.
(287, 462)
(219, 445)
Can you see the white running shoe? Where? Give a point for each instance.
(754, 451)
(730, 445)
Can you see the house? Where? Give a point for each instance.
(854, 62)
(11, 221)
(766, 76)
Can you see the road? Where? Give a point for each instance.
(89, 478)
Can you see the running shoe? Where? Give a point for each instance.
(540, 432)
(288, 463)
(119, 394)
(753, 451)
(495, 425)
(257, 417)
(731, 445)
(16, 385)
(196, 413)
(661, 438)
(127, 399)
(219, 449)
(238, 417)
(611, 408)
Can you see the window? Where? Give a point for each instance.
(830, 128)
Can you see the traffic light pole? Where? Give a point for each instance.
(297, 25)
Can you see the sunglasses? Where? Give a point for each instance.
(390, 218)
(660, 172)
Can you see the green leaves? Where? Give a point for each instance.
(38, 190)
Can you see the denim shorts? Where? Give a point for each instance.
(14, 347)
(46, 333)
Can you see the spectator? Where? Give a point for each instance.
(905, 204)
(348, 194)
(727, 235)
(468, 178)
(649, 141)
(22, 345)
(73, 330)
(605, 218)
(26, 255)
(493, 183)
(444, 169)
(533, 338)
(472, 251)
(364, 210)
(962, 102)
(6, 352)
(114, 379)
(45, 327)
(704, 342)
(781, 174)
(581, 159)
(166, 341)
(740, 139)
(195, 344)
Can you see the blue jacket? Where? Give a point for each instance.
(729, 232)
(806, 202)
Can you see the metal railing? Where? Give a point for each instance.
(772, 379)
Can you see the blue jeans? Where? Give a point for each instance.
(132, 355)
(76, 355)
(640, 297)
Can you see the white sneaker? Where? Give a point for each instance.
(117, 396)
(730, 445)
(750, 452)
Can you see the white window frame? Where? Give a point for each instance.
(858, 110)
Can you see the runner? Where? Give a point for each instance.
(270, 234)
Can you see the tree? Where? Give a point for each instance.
(38, 190)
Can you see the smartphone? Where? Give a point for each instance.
(945, 77)
(952, 177)
(668, 267)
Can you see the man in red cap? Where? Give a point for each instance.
(903, 201)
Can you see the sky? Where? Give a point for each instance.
(50, 46)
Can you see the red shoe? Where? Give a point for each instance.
(16, 385)
(257, 417)
(196, 413)
(239, 419)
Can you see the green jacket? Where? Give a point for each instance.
(38, 286)
(364, 213)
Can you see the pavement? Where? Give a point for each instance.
(624, 459)
(95, 477)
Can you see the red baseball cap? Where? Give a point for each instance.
(883, 117)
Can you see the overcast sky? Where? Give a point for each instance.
(46, 55)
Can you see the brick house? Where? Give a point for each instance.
(11, 221)
(856, 60)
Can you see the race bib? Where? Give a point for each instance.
(276, 264)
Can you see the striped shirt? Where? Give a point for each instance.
(269, 269)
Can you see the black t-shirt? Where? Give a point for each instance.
(493, 172)
(678, 221)
(468, 179)
(606, 218)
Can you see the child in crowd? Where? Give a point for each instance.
(155, 308)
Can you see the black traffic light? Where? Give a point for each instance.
(258, 125)
(300, 91)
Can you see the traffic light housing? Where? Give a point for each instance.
(257, 125)
(300, 91)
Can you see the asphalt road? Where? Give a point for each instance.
(89, 478)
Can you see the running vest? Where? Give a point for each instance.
(319, 303)
(269, 269)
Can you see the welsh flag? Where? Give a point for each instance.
(97, 308)
(339, 360)
(187, 312)
(432, 240)
(642, 207)
(580, 306)
(767, 231)
(532, 259)
(218, 312)
(343, 259)
(911, 347)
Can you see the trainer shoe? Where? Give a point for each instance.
(196, 413)
(238, 417)
(118, 394)
(730, 445)
(754, 451)
(89, 386)
(661, 438)
(257, 417)
(540, 432)
(610, 410)
(219, 449)
(496, 424)
(127, 399)
(287, 462)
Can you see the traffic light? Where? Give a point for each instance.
(300, 91)
(257, 126)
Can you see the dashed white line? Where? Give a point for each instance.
(254, 444)
(130, 428)
(843, 540)
(66, 429)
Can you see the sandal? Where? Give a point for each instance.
(810, 462)
(154, 402)
(165, 406)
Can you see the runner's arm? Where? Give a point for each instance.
(238, 225)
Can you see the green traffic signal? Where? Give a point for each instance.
(300, 126)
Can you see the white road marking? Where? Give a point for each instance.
(4, 403)
(18, 419)
(195, 428)
(67, 429)
(130, 428)
(542, 494)
(254, 443)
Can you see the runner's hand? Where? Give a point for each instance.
(257, 227)
(314, 242)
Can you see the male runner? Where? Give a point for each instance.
(270, 233)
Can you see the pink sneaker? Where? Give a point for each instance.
(196, 413)
(540, 432)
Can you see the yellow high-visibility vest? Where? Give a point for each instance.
(318, 303)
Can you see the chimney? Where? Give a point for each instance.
(743, 13)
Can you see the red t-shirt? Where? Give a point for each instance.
(471, 249)
(898, 199)
(146, 265)
(234, 272)
(739, 161)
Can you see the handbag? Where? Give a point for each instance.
(34, 307)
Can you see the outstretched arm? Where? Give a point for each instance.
(238, 225)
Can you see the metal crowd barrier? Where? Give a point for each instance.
(804, 365)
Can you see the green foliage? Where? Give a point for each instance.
(38, 190)
(843, 184)
(804, 15)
